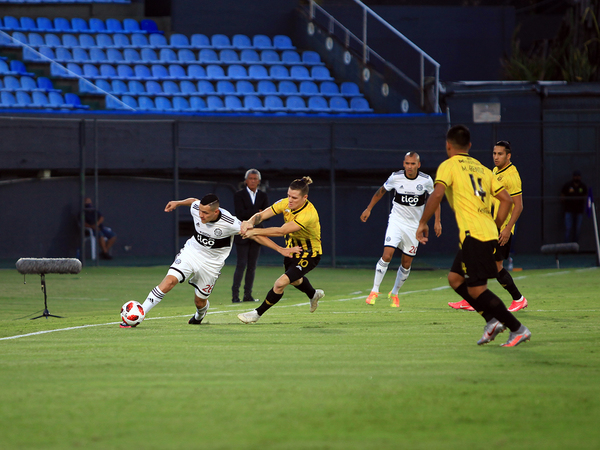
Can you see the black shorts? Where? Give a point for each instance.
(476, 261)
(505, 249)
(296, 268)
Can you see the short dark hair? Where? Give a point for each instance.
(301, 184)
(459, 136)
(211, 200)
(505, 144)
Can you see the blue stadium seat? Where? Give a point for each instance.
(114, 26)
(287, 88)
(241, 41)
(139, 40)
(188, 88)
(320, 73)
(20, 37)
(186, 55)
(131, 55)
(62, 25)
(12, 23)
(176, 71)
(299, 73)
(63, 54)
(132, 26)
(97, 55)
(214, 103)
(89, 70)
(167, 55)
(130, 101)
(181, 104)
(229, 56)
(234, 104)
(29, 84)
(290, 57)
(148, 55)
(29, 54)
(96, 25)
(205, 87)
(150, 26)
(317, 103)
(279, 73)
(197, 104)
(114, 55)
(70, 40)
(208, 56)
(87, 41)
(329, 89)
(244, 87)
(163, 104)
(282, 42)
(121, 40)
(179, 40)
(339, 104)
(360, 104)
(18, 67)
(308, 88)
(44, 84)
(220, 41)
(249, 56)
(35, 39)
(116, 86)
(269, 57)
(253, 103)
(80, 55)
(57, 100)
(215, 72)
(74, 100)
(136, 87)
(52, 40)
(125, 72)
(72, 70)
(266, 87)
(237, 72)
(153, 87)
(350, 89)
(260, 41)
(79, 25)
(225, 87)
(200, 41)
(43, 24)
(258, 72)
(108, 71)
(295, 104)
(40, 99)
(171, 88)
(6, 41)
(27, 24)
(104, 41)
(158, 40)
(160, 72)
(196, 71)
(3, 67)
(311, 58)
(273, 103)
(8, 99)
(11, 83)
(146, 103)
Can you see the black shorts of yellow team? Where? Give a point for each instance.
(476, 261)
(296, 268)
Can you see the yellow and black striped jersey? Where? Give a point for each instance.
(510, 179)
(309, 236)
(469, 190)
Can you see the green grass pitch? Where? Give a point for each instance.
(349, 376)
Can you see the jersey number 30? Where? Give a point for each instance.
(478, 188)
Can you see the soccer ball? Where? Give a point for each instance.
(132, 313)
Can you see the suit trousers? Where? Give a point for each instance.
(247, 258)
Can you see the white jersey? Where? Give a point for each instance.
(410, 198)
(212, 241)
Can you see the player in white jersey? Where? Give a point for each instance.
(412, 188)
(203, 255)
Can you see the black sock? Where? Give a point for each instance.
(306, 287)
(272, 298)
(463, 291)
(494, 307)
(507, 283)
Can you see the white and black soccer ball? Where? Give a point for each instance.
(132, 313)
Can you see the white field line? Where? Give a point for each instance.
(300, 305)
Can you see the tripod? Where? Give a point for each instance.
(46, 313)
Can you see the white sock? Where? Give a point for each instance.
(153, 299)
(380, 270)
(401, 277)
(201, 312)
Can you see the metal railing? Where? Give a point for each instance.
(367, 52)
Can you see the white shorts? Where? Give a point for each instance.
(402, 237)
(199, 274)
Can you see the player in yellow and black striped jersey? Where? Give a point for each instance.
(302, 231)
(469, 186)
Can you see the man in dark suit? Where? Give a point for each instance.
(247, 201)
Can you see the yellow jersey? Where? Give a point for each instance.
(510, 179)
(469, 190)
(309, 236)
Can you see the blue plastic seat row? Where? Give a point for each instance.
(14, 67)
(249, 103)
(224, 87)
(39, 99)
(26, 83)
(78, 25)
(194, 71)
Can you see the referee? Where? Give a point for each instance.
(469, 187)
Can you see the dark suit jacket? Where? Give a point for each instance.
(244, 209)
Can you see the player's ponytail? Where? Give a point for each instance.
(301, 184)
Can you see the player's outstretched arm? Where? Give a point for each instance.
(286, 228)
(376, 197)
(174, 204)
(287, 252)
(255, 220)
